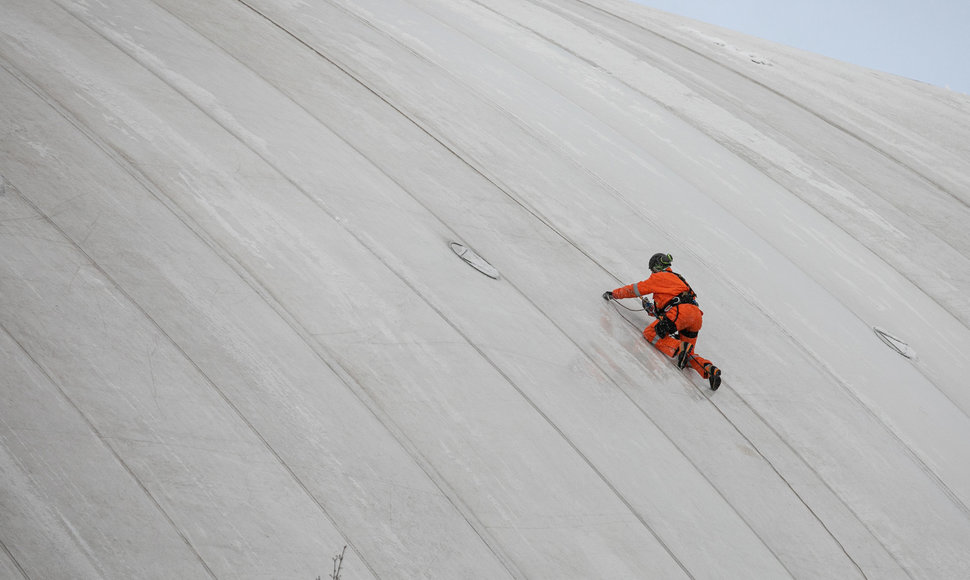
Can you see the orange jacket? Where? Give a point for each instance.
(663, 285)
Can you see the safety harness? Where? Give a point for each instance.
(666, 326)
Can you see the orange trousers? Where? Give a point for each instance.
(687, 317)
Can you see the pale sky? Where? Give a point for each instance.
(925, 40)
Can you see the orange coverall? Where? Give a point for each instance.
(665, 286)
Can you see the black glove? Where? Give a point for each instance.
(608, 295)
(648, 307)
(665, 327)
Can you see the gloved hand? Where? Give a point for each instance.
(648, 307)
(608, 295)
(665, 327)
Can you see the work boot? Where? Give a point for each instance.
(713, 375)
(683, 353)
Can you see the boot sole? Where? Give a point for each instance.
(684, 358)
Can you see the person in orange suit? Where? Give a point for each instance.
(674, 333)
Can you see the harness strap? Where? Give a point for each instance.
(689, 296)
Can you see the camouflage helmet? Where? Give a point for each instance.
(660, 262)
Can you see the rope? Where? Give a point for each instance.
(617, 302)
